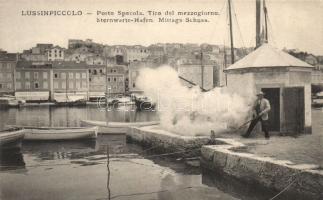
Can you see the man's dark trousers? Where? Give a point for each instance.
(264, 126)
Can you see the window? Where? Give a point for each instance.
(9, 86)
(18, 85)
(35, 75)
(45, 75)
(1, 86)
(114, 79)
(94, 72)
(121, 79)
(108, 79)
(18, 75)
(77, 75)
(89, 70)
(101, 71)
(1, 75)
(83, 75)
(70, 75)
(27, 75)
(63, 85)
(63, 75)
(45, 85)
(55, 84)
(55, 75)
(36, 85)
(27, 85)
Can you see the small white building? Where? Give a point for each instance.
(286, 82)
(55, 53)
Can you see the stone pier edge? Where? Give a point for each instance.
(306, 180)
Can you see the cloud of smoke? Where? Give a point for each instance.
(189, 111)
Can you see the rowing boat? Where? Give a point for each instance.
(115, 127)
(59, 133)
(12, 136)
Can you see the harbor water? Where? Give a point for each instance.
(79, 170)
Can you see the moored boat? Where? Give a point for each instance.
(11, 137)
(115, 127)
(11, 101)
(59, 133)
(317, 100)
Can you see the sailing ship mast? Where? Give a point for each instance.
(261, 38)
(231, 34)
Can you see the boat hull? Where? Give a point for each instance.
(67, 133)
(115, 127)
(11, 138)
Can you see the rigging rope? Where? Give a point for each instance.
(237, 22)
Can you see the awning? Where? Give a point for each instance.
(33, 96)
(69, 97)
(96, 94)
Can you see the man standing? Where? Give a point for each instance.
(260, 113)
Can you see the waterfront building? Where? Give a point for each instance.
(117, 77)
(37, 53)
(70, 81)
(33, 81)
(95, 59)
(117, 52)
(97, 82)
(286, 82)
(55, 53)
(8, 63)
(134, 71)
(76, 56)
(311, 59)
(196, 74)
(136, 53)
(317, 75)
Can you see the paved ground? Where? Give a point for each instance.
(301, 149)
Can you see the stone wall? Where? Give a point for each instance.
(166, 141)
(304, 180)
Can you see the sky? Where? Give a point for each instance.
(294, 24)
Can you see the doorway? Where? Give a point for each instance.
(294, 109)
(273, 94)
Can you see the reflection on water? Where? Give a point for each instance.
(11, 159)
(68, 116)
(77, 170)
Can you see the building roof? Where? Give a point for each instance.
(52, 64)
(268, 56)
(33, 64)
(68, 65)
(8, 57)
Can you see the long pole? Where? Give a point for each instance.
(106, 84)
(202, 71)
(258, 7)
(231, 34)
(266, 29)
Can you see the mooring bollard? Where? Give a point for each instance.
(212, 137)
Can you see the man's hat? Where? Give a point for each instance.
(260, 93)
